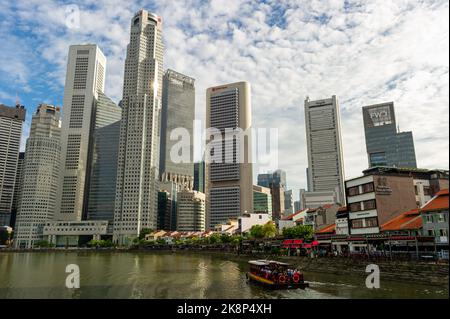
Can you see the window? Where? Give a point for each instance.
(353, 191)
(441, 218)
(368, 188)
(427, 191)
(428, 219)
(355, 207)
(431, 232)
(371, 222)
(369, 204)
(443, 232)
(357, 223)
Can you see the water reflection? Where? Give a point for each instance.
(167, 275)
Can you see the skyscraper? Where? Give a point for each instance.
(323, 136)
(262, 200)
(103, 160)
(385, 146)
(276, 181)
(199, 177)
(288, 202)
(40, 178)
(229, 183)
(84, 80)
(17, 189)
(178, 112)
(138, 161)
(11, 119)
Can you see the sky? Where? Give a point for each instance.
(364, 52)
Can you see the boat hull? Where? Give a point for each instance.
(274, 285)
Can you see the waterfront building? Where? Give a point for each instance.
(103, 161)
(138, 161)
(385, 145)
(247, 221)
(262, 200)
(321, 216)
(342, 221)
(190, 211)
(229, 182)
(178, 113)
(164, 211)
(375, 198)
(199, 177)
(11, 120)
(317, 199)
(40, 177)
(324, 142)
(17, 189)
(85, 78)
(292, 220)
(434, 215)
(427, 182)
(74, 233)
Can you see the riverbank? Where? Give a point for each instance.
(427, 273)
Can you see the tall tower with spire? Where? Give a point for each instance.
(138, 160)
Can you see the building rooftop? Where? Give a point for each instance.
(438, 202)
(410, 220)
(327, 229)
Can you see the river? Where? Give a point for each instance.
(172, 275)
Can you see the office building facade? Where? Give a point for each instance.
(262, 200)
(325, 154)
(103, 153)
(85, 78)
(288, 202)
(190, 211)
(385, 146)
(199, 177)
(178, 113)
(40, 177)
(229, 182)
(17, 189)
(138, 161)
(11, 120)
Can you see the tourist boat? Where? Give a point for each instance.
(275, 275)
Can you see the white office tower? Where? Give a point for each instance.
(40, 176)
(138, 162)
(84, 79)
(323, 136)
(229, 182)
(190, 211)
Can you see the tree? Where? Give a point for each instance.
(269, 229)
(299, 231)
(144, 231)
(44, 244)
(215, 239)
(257, 231)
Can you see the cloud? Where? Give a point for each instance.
(362, 51)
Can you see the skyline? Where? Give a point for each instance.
(415, 70)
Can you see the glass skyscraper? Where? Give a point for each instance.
(385, 146)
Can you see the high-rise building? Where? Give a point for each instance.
(276, 181)
(385, 146)
(11, 120)
(229, 182)
(17, 189)
(288, 202)
(262, 200)
(199, 177)
(103, 161)
(178, 112)
(323, 136)
(138, 162)
(297, 206)
(40, 176)
(190, 211)
(317, 199)
(167, 205)
(85, 78)
(277, 178)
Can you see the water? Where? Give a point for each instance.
(172, 275)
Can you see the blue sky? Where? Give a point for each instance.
(364, 52)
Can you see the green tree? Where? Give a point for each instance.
(215, 239)
(144, 231)
(257, 231)
(44, 244)
(269, 229)
(299, 231)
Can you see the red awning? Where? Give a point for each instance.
(315, 243)
(307, 246)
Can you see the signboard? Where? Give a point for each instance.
(380, 115)
(382, 187)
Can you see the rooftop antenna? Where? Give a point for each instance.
(17, 99)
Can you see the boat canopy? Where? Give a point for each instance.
(266, 263)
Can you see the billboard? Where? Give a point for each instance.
(379, 115)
